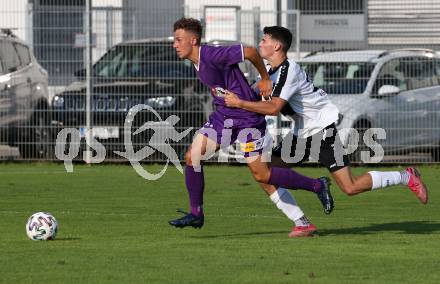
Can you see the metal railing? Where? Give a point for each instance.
(133, 62)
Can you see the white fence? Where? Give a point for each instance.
(132, 66)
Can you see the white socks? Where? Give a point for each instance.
(405, 177)
(385, 179)
(287, 204)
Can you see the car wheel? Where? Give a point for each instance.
(36, 140)
(435, 154)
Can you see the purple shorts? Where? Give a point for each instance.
(250, 132)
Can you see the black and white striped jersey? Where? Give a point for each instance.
(309, 108)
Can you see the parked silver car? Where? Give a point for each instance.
(24, 98)
(396, 90)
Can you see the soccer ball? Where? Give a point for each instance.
(41, 226)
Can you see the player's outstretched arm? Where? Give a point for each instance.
(265, 84)
(272, 107)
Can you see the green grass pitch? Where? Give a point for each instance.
(113, 229)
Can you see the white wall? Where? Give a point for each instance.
(104, 23)
(148, 18)
(245, 5)
(221, 24)
(104, 3)
(13, 15)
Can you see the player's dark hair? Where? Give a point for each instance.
(190, 25)
(280, 34)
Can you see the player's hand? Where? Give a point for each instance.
(265, 87)
(232, 100)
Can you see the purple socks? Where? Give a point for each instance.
(287, 178)
(280, 177)
(195, 184)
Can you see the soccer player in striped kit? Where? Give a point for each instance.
(313, 119)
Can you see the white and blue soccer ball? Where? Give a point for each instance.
(41, 226)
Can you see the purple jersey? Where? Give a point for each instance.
(218, 67)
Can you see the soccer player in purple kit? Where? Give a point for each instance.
(217, 67)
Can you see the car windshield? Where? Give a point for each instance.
(339, 77)
(157, 60)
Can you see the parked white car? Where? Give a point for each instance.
(396, 90)
(24, 99)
